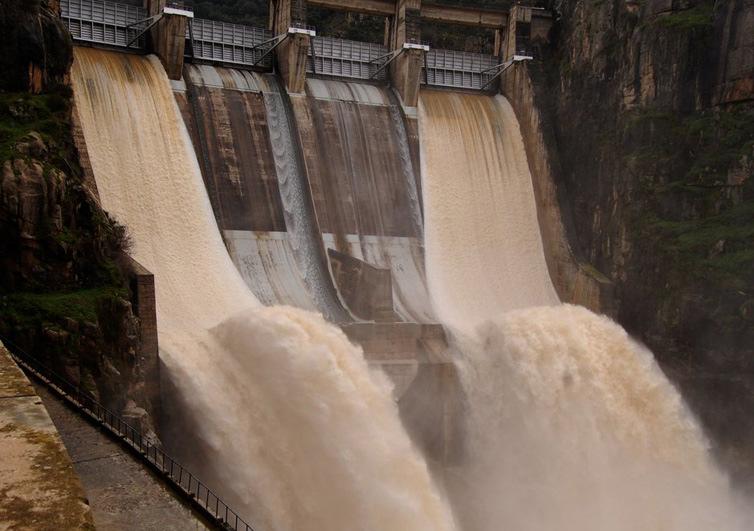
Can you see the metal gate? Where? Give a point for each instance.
(449, 68)
(102, 22)
(330, 56)
(228, 43)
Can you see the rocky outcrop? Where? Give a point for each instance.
(64, 291)
(39, 50)
(64, 276)
(652, 105)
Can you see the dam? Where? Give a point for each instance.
(367, 311)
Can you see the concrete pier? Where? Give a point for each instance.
(169, 36)
(291, 54)
(406, 70)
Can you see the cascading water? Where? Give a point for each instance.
(273, 406)
(572, 426)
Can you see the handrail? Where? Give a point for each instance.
(183, 481)
(178, 4)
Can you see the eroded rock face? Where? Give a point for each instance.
(37, 49)
(63, 273)
(653, 105)
(54, 236)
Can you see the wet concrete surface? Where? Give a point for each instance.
(39, 489)
(122, 492)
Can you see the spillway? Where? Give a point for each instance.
(240, 129)
(480, 211)
(271, 406)
(571, 425)
(365, 191)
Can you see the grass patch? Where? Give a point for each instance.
(80, 305)
(691, 245)
(21, 113)
(699, 17)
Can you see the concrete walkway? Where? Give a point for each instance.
(122, 492)
(39, 489)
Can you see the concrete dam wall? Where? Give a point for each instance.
(260, 401)
(256, 210)
(312, 193)
(240, 130)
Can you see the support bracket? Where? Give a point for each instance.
(392, 56)
(150, 22)
(279, 39)
(498, 70)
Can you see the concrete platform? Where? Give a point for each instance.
(39, 488)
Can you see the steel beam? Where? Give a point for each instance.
(384, 8)
(465, 16)
(483, 18)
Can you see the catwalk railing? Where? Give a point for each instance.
(183, 481)
(103, 22)
(116, 24)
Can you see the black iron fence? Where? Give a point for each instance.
(183, 481)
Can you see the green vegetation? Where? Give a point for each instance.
(593, 272)
(21, 114)
(699, 17)
(705, 143)
(75, 261)
(80, 305)
(720, 246)
(696, 175)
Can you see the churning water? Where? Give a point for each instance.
(273, 406)
(571, 424)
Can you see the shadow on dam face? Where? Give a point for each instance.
(317, 199)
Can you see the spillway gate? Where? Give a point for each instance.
(223, 42)
(103, 22)
(466, 70)
(345, 58)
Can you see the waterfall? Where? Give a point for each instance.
(571, 424)
(272, 406)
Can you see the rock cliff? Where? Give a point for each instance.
(64, 293)
(652, 107)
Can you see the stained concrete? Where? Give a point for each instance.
(123, 493)
(39, 489)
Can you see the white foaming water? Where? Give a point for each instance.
(280, 412)
(480, 219)
(571, 425)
